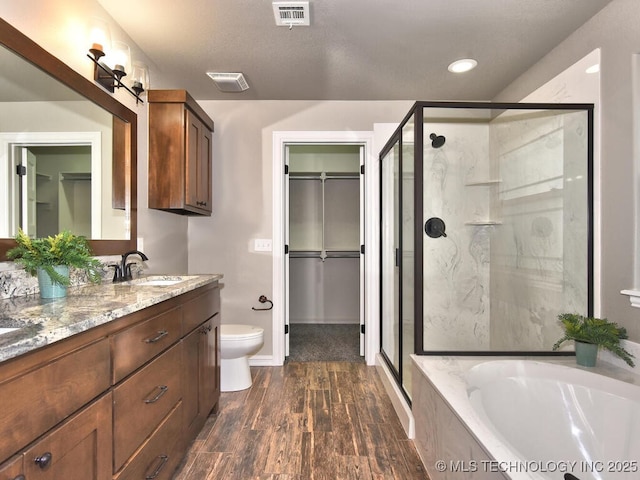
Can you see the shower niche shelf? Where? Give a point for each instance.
(483, 183)
(483, 223)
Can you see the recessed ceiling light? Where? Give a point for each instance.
(593, 68)
(462, 65)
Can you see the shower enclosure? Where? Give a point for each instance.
(487, 225)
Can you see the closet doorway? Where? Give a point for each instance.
(324, 223)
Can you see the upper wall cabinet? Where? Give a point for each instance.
(179, 153)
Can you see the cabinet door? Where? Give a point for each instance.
(79, 449)
(198, 163)
(12, 469)
(211, 365)
(201, 373)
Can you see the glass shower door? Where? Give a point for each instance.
(390, 223)
(398, 233)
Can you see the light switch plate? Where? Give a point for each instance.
(262, 245)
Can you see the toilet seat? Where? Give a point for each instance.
(236, 333)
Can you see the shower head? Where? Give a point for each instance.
(437, 140)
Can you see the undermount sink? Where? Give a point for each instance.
(161, 280)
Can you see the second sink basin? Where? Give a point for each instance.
(161, 280)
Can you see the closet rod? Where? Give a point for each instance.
(326, 177)
(323, 255)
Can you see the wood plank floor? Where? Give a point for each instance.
(303, 421)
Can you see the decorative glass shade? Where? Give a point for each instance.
(119, 58)
(139, 77)
(99, 37)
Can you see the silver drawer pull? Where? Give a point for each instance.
(161, 335)
(163, 390)
(163, 460)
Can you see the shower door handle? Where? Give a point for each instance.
(435, 227)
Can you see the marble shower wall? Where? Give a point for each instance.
(456, 267)
(539, 253)
(513, 195)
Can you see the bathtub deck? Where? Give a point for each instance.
(446, 426)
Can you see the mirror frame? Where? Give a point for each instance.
(124, 134)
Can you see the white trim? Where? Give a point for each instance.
(262, 361)
(400, 405)
(371, 215)
(10, 139)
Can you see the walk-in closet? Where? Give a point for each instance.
(325, 269)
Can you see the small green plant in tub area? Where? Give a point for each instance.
(62, 249)
(594, 331)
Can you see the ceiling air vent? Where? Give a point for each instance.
(229, 82)
(290, 14)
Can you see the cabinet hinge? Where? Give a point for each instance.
(362, 249)
(21, 170)
(361, 169)
(286, 249)
(286, 329)
(286, 169)
(362, 328)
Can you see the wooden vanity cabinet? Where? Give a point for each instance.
(180, 154)
(111, 403)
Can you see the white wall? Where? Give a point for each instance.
(61, 28)
(242, 191)
(615, 31)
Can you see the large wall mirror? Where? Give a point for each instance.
(67, 152)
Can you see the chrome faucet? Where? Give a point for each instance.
(123, 271)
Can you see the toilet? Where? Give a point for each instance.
(237, 344)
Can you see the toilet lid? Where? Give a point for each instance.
(239, 332)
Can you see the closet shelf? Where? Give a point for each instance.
(74, 176)
(325, 254)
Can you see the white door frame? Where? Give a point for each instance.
(9, 140)
(371, 234)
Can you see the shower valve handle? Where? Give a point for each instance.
(435, 227)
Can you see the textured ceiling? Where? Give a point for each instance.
(353, 50)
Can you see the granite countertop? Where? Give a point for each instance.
(40, 322)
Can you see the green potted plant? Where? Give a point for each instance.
(589, 333)
(49, 258)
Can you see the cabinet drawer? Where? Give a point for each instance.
(38, 400)
(143, 400)
(140, 343)
(79, 449)
(12, 469)
(200, 309)
(160, 454)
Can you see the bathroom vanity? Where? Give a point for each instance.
(112, 382)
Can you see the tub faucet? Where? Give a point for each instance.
(123, 271)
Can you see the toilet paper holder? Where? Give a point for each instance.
(263, 299)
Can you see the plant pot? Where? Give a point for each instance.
(586, 354)
(50, 288)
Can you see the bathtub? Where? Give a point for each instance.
(526, 419)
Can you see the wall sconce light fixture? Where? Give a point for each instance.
(112, 61)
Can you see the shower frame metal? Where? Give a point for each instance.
(416, 113)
